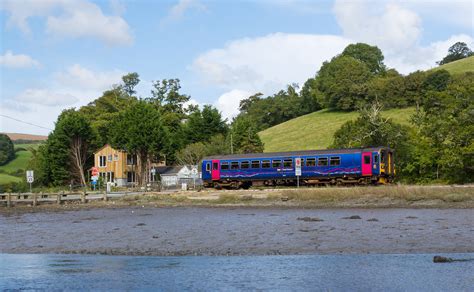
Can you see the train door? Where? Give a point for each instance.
(366, 163)
(216, 170)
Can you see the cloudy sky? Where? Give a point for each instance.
(57, 54)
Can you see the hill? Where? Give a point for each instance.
(459, 66)
(316, 130)
(14, 171)
(30, 137)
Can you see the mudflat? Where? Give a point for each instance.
(237, 231)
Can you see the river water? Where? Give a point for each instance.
(354, 272)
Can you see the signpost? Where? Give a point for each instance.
(298, 171)
(30, 178)
(95, 176)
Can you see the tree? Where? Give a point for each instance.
(245, 138)
(191, 154)
(139, 131)
(68, 148)
(371, 56)
(202, 125)
(129, 82)
(457, 51)
(7, 151)
(341, 81)
(437, 80)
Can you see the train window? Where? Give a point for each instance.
(323, 161)
(335, 161)
(244, 164)
(367, 159)
(288, 162)
(265, 163)
(215, 166)
(255, 164)
(376, 158)
(208, 166)
(224, 165)
(276, 163)
(234, 165)
(310, 161)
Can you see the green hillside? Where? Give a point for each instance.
(9, 172)
(459, 66)
(316, 130)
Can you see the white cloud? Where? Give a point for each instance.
(17, 61)
(78, 77)
(267, 63)
(76, 18)
(178, 10)
(389, 26)
(46, 97)
(228, 103)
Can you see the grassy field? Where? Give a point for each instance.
(20, 162)
(316, 130)
(459, 66)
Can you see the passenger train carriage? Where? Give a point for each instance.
(318, 167)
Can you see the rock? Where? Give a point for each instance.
(310, 219)
(353, 217)
(373, 220)
(440, 259)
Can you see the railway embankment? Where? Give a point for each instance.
(396, 196)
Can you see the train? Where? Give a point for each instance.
(351, 166)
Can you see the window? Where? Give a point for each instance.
(255, 164)
(244, 164)
(130, 176)
(234, 165)
(334, 161)
(376, 158)
(276, 163)
(110, 176)
(323, 161)
(109, 158)
(208, 166)
(131, 159)
(288, 162)
(382, 157)
(215, 166)
(225, 166)
(367, 159)
(102, 160)
(310, 161)
(115, 157)
(265, 163)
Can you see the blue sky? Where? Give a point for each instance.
(56, 54)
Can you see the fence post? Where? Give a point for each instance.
(83, 197)
(9, 200)
(34, 199)
(104, 196)
(58, 198)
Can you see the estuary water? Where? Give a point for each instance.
(382, 272)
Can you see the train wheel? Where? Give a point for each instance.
(217, 186)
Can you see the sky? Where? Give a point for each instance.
(58, 54)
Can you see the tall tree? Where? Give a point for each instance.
(245, 138)
(458, 51)
(130, 81)
(139, 131)
(371, 56)
(202, 125)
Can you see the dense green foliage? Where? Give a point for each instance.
(7, 151)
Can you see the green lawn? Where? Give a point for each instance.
(459, 66)
(316, 130)
(20, 162)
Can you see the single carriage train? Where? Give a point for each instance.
(315, 167)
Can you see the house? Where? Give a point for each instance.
(175, 175)
(120, 167)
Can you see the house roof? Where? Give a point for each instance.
(292, 153)
(167, 170)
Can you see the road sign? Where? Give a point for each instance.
(298, 166)
(30, 178)
(95, 178)
(95, 171)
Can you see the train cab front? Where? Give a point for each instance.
(387, 165)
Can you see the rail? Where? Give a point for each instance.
(11, 199)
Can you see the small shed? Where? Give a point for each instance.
(172, 176)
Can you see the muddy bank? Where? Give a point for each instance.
(238, 231)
